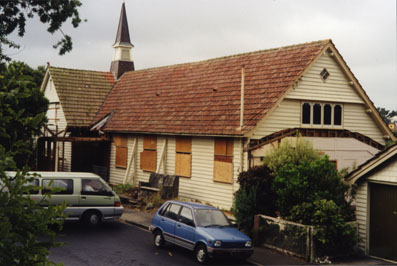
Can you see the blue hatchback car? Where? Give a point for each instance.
(200, 228)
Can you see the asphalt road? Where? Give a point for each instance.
(116, 243)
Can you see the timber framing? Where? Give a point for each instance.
(311, 132)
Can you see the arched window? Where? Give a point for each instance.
(337, 115)
(327, 114)
(306, 113)
(317, 114)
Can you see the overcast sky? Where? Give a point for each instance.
(167, 32)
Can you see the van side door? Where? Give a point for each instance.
(97, 195)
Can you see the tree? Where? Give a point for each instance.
(14, 14)
(386, 115)
(290, 152)
(22, 109)
(25, 226)
(310, 191)
(255, 196)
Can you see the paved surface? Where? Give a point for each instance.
(261, 256)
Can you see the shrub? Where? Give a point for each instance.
(253, 197)
(307, 182)
(244, 209)
(290, 152)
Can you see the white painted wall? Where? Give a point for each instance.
(348, 152)
(385, 175)
(57, 122)
(312, 88)
(200, 186)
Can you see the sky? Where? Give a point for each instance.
(166, 32)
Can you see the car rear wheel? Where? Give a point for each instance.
(92, 218)
(201, 253)
(158, 239)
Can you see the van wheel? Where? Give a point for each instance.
(201, 253)
(158, 239)
(92, 218)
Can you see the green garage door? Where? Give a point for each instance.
(383, 221)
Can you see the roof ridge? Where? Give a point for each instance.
(77, 69)
(325, 41)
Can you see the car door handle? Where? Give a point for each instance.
(162, 220)
(83, 197)
(178, 225)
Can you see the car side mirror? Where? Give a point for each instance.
(233, 223)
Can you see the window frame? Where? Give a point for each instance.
(148, 157)
(183, 154)
(67, 191)
(321, 124)
(223, 160)
(121, 145)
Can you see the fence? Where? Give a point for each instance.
(286, 236)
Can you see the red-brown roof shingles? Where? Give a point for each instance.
(204, 97)
(81, 93)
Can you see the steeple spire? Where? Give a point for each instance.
(122, 61)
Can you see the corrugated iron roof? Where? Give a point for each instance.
(81, 93)
(204, 97)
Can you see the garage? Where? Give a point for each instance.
(376, 204)
(383, 221)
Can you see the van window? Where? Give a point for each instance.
(95, 187)
(35, 183)
(65, 184)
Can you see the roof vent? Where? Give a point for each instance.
(324, 74)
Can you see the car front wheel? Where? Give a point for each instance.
(158, 239)
(201, 253)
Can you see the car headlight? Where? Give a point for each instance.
(248, 244)
(217, 243)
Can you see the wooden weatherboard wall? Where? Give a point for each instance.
(57, 118)
(200, 185)
(386, 175)
(312, 88)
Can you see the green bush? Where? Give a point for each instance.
(244, 209)
(290, 151)
(261, 178)
(309, 181)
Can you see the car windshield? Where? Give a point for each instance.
(210, 217)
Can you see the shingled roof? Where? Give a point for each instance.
(204, 97)
(81, 93)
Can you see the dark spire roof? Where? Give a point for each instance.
(123, 35)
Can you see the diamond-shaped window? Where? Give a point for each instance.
(324, 74)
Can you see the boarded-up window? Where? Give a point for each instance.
(223, 160)
(120, 142)
(183, 156)
(149, 154)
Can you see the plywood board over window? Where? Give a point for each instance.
(183, 156)
(120, 142)
(148, 157)
(223, 160)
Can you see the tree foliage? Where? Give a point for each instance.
(27, 230)
(26, 234)
(386, 115)
(22, 109)
(14, 14)
(255, 196)
(290, 151)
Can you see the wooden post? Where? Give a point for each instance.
(257, 219)
(130, 163)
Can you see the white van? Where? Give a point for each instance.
(88, 197)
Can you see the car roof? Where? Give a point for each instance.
(59, 175)
(193, 205)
